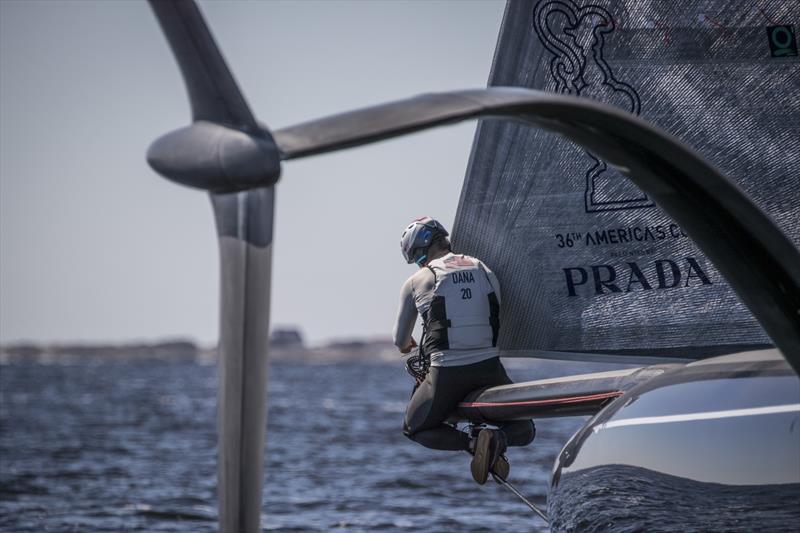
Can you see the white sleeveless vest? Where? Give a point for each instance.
(464, 310)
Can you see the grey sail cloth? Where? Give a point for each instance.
(589, 264)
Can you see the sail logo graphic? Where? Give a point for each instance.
(632, 277)
(575, 36)
(782, 41)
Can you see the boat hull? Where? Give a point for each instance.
(711, 446)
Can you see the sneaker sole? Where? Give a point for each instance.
(480, 461)
(501, 468)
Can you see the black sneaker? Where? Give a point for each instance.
(488, 448)
(501, 468)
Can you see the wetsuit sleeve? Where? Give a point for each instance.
(492, 281)
(406, 316)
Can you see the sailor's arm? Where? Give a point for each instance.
(406, 316)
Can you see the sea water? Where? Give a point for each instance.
(93, 445)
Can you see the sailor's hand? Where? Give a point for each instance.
(408, 348)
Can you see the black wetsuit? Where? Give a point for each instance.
(438, 396)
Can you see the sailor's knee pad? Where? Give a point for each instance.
(520, 433)
(532, 433)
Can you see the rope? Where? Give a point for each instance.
(473, 430)
(519, 495)
(417, 365)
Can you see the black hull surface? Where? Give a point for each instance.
(712, 446)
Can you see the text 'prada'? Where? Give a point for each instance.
(629, 277)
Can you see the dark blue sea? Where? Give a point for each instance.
(93, 445)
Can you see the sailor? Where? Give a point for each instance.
(458, 298)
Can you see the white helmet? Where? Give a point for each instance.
(418, 236)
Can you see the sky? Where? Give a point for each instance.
(94, 246)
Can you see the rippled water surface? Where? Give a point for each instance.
(580, 503)
(99, 446)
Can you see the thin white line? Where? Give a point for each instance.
(772, 409)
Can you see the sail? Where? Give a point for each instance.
(587, 262)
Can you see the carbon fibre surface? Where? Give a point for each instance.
(586, 261)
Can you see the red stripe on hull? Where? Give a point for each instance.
(552, 401)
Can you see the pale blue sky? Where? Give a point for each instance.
(95, 246)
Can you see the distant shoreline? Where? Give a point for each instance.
(362, 351)
(375, 350)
